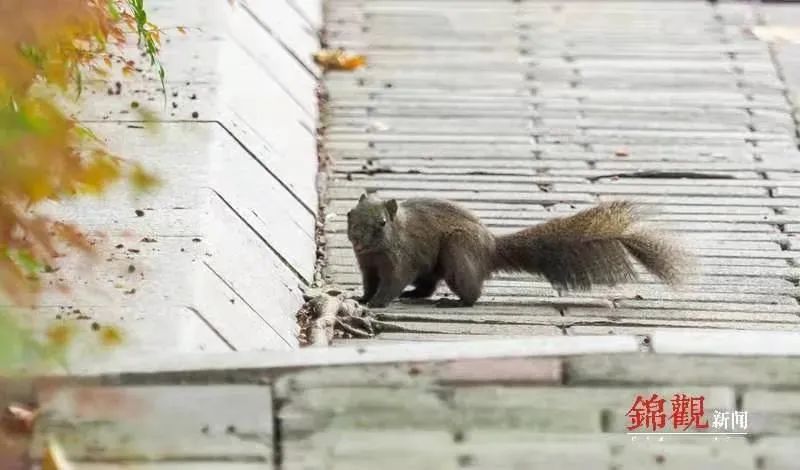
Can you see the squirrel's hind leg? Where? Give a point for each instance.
(468, 289)
(424, 287)
(464, 270)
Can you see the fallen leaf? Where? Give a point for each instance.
(338, 59)
(60, 335)
(54, 458)
(776, 33)
(110, 336)
(99, 173)
(143, 180)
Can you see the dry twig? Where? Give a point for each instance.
(327, 315)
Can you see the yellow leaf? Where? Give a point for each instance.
(110, 336)
(38, 189)
(337, 59)
(182, 29)
(98, 174)
(54, 458)
(142, 180)
(60, 335)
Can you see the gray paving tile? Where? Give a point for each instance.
(560, 111)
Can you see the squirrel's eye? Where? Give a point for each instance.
(383, 222)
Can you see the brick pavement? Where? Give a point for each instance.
(527, 110)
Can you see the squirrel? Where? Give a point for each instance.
(422, 241)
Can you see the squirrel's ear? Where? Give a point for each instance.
(391, 208)
(363, 196)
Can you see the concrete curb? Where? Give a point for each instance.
(664, 343)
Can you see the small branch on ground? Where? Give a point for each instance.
(331, 314)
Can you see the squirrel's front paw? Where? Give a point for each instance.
(377, 303)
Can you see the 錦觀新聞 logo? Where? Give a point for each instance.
(682, 414)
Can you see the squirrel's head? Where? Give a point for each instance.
(369, 223)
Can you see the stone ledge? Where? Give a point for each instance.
(592, 359)
(198, 365)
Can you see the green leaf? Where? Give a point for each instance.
(19, 349)
(26, 261)
(115, 13)
(30, 52)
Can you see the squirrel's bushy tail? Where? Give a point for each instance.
(591, 247)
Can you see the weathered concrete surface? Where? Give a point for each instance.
(214, 260)
(523, 111)
(160, 422)
(440, 409)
